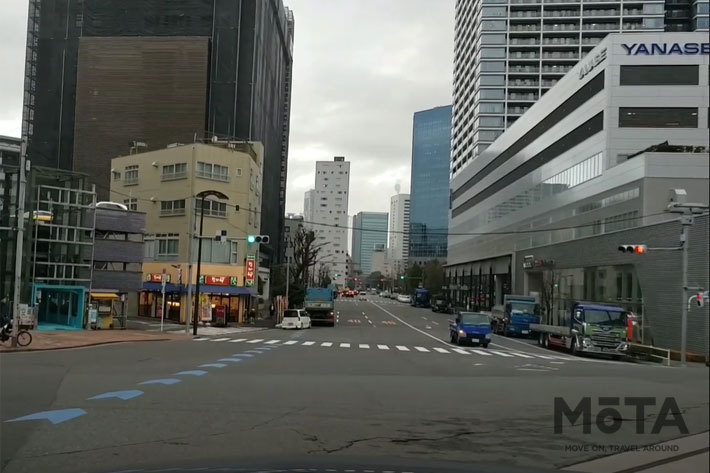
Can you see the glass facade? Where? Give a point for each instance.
(369, 232)
(429, 200)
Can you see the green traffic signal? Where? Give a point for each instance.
(251, 239)
(401, 277)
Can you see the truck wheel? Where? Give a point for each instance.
(573, 346)
(485, 345)
(540, 339)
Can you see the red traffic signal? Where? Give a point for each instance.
(636, 249)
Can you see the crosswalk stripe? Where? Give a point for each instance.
(480, 352)
(326, 344)
(402, 348)
(219, 339)
(383, 347)
(500, 353)
(421, 349)
(236, 340)
(364, 345)
(344, 345)
(256, 340)
(566, 358)
(460, 350)
(309, 343)
(291, 342)
(522, 355)
(271, 342)
(201, 339)
(441, 350)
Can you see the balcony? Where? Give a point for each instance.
(523, 83)
(561, 1)
(556, 69)
(600, 26)
(523, 70)
(531, 97)
(595, 12)
(561, 13)
(522, 55)
(524, 42)
(549, 82)
(173, 212)
(525, 14)
(560, 42)
(130, 181)
(517, 110)
(173, 176)
(560, 55)
(562, 27)
(525, 2)
(524, 28)
(632, 26)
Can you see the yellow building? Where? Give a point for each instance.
(163, 184)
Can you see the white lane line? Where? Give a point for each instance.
(291, 342)
(545, 357)
(256, 340)
(421, 349)
(480, 352)
(272, 342)
(428, 327)
(326, 344)
(402, 348)
(521, 355)
(364, 345)
(308, 343)
(344, 345)
(410, 325)
(237, 340)
(219, 339)
(500, 353)
(201, 339)
(369, 321)
(460, 350)
(435, 323)
(566, 358)
(383, 347)
(441, 350)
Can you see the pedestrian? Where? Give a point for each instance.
(4, 310)
(272, 310)
(252, 315)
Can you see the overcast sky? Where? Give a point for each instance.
(361, 69)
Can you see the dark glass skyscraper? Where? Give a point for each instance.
(429, 201)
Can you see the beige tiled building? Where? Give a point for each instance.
(161, 183)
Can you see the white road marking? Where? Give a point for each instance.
(409, 325)
(428, 327)
(236, 340)
(383, 347)
(421, 349)
(479, 364)
(326, 344)
(369, 321)
(441, 350)
(219, 339)
(291, 342)
(271, 342)
(500, 353)
(201, 339)
(344, 345)
(460, 350)
(256, 340)
(545, 357)
(522, 355)
(435, 323)
(308, 343)
(402, 348)
(480, 352)
(364, 345)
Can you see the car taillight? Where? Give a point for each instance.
(331, 315)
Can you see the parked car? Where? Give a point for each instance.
(296, 318)
(404, 298)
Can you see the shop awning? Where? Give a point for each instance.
(231, 290)
(157, 287)
(104, 295)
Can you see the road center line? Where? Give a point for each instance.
(409, 325)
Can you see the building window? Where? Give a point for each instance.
(239, 172)
(493, 25)
(130, 176)
(168, 245)
(131, 203)
(493, 39)
(493, 53)
(174, 171)
(233, 255)
(172, 207)
(659, 75)
(116, 175)
(621, 221)
(493, 66)
(656, 117)
(211, 171)
(213, 208)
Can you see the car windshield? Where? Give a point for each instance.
(471, 318)
(605, 317)
(522, 308)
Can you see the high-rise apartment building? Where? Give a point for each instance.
(399, 233)
(431, 155)
(508, 53)
(369, 235)
(326, 213)
(103, 77)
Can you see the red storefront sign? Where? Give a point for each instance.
(219, 280)
(156, 277)
(250, 271)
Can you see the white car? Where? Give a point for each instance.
(296, 318)
(404, 298)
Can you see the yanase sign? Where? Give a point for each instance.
(665, 49)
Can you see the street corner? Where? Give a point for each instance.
(62, 340)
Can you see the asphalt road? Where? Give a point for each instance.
(381, 391)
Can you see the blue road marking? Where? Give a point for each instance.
(165, 381)
(231, 360)
(55, 417)
(123, 395)
(213, 365)
(191, 373)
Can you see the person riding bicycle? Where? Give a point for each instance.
(5, 319)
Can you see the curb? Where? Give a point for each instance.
(93, 344)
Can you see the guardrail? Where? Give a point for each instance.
(650, 352)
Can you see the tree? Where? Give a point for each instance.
(433, 276)
(412, 278)
(374, 279)
(305, 253)
(550, 283)
(324, 275)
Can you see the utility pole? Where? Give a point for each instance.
(191, 236)
(22, 183)
(288, 278)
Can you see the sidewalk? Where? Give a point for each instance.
(61, 340)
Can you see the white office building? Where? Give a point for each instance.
(589, 164)
(398, 233)
(509, 53)
(326, 213)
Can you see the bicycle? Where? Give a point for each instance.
(24, 337)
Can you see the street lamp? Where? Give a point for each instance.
(202, 196)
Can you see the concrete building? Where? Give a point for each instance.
(160, 183)
(594, 157)
(369, 234)
(380, 261)
(398, 250)
(507, 54)
(431, 155)
(168, 72)
(326, 213)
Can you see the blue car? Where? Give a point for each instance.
(471, 327)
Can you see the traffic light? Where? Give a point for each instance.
(258, 239)
(636, 249)
(401, 277)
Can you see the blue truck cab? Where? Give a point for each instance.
(517, 313)
(470, 327)
(421, 298)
